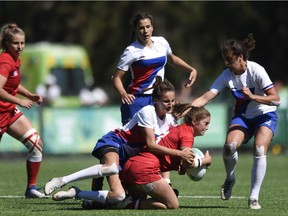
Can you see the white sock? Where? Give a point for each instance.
(98, 196)
(90, 172)
(230, 162)
(257, 175)
(95, 171)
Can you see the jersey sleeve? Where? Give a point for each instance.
(5, 69)
(126, 60)
(147, 117)
(219, 84)
(262, 78)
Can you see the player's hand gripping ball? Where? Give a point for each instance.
(196, 174)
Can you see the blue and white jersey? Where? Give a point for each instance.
(145, 63)
(256, 79)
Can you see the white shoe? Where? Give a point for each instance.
(34, 193)
(53, 185)
(63, 195)
(254, 204)
(226, 189)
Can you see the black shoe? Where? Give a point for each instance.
(176, 192)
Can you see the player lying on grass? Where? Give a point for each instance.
(114, 148)
(141, 174)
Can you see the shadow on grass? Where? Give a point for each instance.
(200, 207)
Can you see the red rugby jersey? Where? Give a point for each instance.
(10, 69)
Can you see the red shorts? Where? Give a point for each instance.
(141, 170)
(7, 118)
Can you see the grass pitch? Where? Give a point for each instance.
(196, 198)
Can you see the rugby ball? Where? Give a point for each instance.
(196, 174)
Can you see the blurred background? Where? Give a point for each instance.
(194, 30)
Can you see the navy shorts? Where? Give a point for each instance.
(111, 142)
(128, 111)
(268, 120)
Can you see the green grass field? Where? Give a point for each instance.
(196, 198)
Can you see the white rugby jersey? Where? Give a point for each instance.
(146, 117)
(145, 63)
(256, 79)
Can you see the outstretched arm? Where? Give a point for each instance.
(178, 62)
(204, 99)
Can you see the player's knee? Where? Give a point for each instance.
(33, 143)
(115, 198)
(259, 151)
(173, 205)
(230, 148)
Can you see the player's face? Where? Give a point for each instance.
(201, 127)
(165, 103)
(235, 63)
(144, 31)
(16, 45)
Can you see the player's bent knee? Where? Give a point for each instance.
(115, 199)
(33, 143)
(174, 205)
(230, 148)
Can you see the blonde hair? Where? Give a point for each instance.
(7, 33)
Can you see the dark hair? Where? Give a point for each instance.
(135, 20)
(7, 32)
(160, 87)
(238, 47)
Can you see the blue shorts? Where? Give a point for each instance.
(268, 120)
(128, 111)
(112, 142)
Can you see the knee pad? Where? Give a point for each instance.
(259, 151)
(31, 141)
(230, 149)
(116, 200)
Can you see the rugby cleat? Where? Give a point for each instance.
(52, 185)
(63, 195)
(33, 192)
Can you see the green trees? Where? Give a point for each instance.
(194, 30)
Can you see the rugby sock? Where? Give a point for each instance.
(95, 171)
(98, 196)
(32, 172)
(90, 172)
(230, 162)
(257, 175)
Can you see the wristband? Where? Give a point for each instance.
(197, 162)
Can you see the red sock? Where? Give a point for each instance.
(32, 172)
